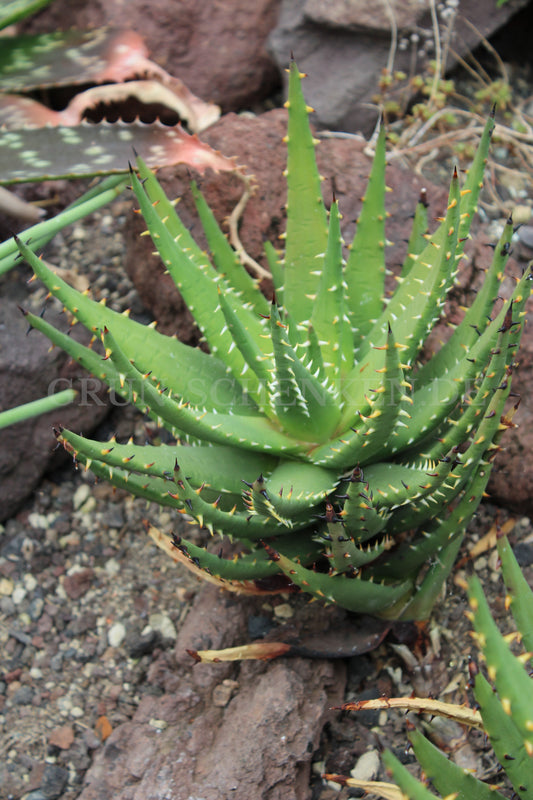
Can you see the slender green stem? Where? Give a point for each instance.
(36, 407)
(41, 233)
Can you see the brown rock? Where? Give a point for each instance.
(62, 737)
(78, 583)
(217, 49)
(344, 47)
(360, 15)
(258, 747)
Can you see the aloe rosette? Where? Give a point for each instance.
(310, 433)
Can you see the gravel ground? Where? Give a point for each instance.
(85, 601)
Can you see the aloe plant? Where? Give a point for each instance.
(505, 704)
(310, 433)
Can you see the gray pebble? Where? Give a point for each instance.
(21, 637)
(7, 606)
(56, 662)
(54, 781)
(115, 517)
(23, 696)
(35, 609)
(525, 234)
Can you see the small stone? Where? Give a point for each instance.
(62, 737)
(139, 646)
(223, 693)
(6, 587)
(114, 517)
(30, 582)
(112, 567)
(70, 540)
(116, 634)
(78, 233)
(36, 608)
(80, 495)
(91, 740)
(78, 582)
(158, 724)
(85, 622)
(367, 766)
(38, 521)
(20, 636)
(7, 606)
(77, 712)
(28, 548)
(64, 705)
(525, 234)
(56, 662)
(23, 696)
(25, 621)
(19, 593)
(54, 781)
(87, 508)
(283, 611)
(163, 624)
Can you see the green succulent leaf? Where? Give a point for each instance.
(307, 228)
(447, 777)
(225, 258)
(418, 237)
(505, 738)
(328, 317)
(410, 786)
(510, 677)
(203, 379)
(365, 270)
(13, 11)
(520, 595)
(349, 592)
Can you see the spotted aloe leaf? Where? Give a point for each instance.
(310, 433)
(13, 11)
(109, 58)
(38, 142)
(39, 154)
